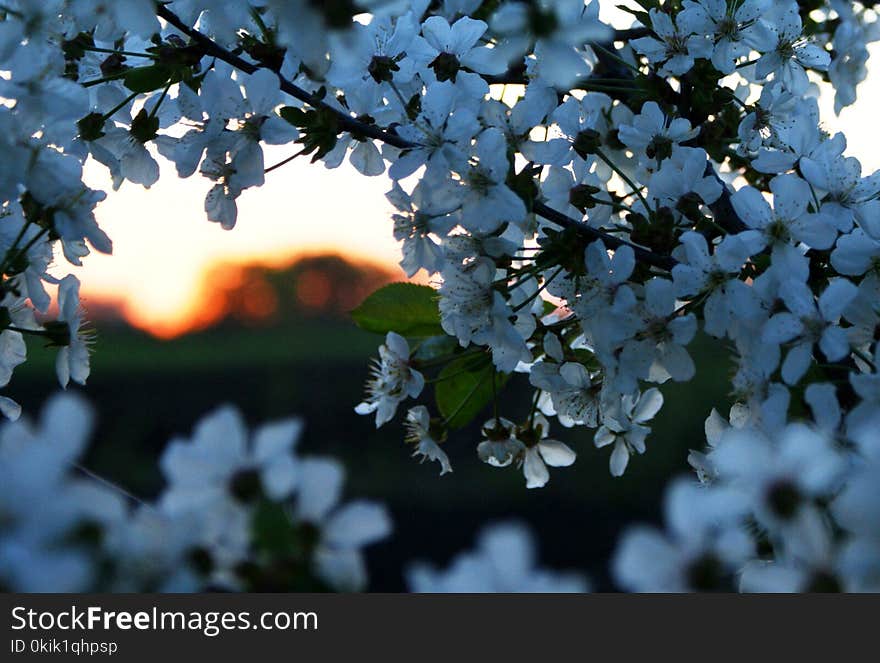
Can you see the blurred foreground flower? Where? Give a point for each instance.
(241, 512)
(505, 560)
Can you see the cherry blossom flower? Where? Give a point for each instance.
(792, 53)
(446, 48)
(344, 529)
(787, 222)
(705, 546)
(673, 48)
(542, 451)
(807, 322)
(625, 428)
(735, 30)
(72, 362)
(419, 432)
(504, 561)
(393, 381)
(654, 135)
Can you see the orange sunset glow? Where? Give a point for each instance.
(170, 263)
(166, 255)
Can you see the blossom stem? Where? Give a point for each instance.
(261, 24)
(616, 206)
(161, 99)
(34, 240)
(614, 56)
(110, 113)
(715, 225)
(722, 209)
(25, 330)
(284, 161)
(22, 251)
(104, 79)
(9, 252)
(494, 395)
(523, 275)
(747, 63)
(624, 177)
(534, 409)
(815, 197)
(400, 98)
(734, 98)
(443, 378)
(130, 54)
(544, 285)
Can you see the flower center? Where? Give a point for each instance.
(784, 499)
(445, 66)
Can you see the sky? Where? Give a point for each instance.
(163, 245)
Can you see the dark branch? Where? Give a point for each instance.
(347, 122)
(612, 242)
(353, 125)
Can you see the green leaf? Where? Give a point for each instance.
(436, 347)
(146, 79)
(405, 308)
(272, 529)
(464, 388)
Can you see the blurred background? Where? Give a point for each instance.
(189, 316)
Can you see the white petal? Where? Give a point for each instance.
(791, 195)
(648, 406)
(796, 362)
(280, 477)
(357, 524)
(619, 459)
(320, 486)
(276, 438)
(556, 454)
(535, 470)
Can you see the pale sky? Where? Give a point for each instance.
(163, 243)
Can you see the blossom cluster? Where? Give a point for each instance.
(240, 511)
(587, 195)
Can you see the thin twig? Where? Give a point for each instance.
(345, 120)
(351, 124)
(660, 261)
(110, 484)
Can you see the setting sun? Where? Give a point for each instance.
(302, 209)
